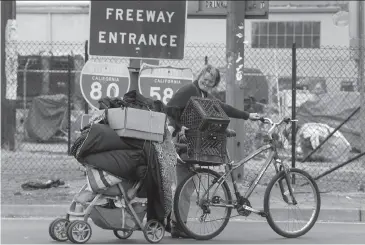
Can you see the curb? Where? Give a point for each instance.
(47, 211)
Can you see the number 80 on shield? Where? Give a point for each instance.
(96, 93)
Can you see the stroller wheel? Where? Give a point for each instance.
(79, 231)
(58, 229)
(122, 234)
(154, 231)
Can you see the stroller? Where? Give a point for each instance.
(109, 202)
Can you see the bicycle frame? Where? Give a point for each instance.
(232, 166)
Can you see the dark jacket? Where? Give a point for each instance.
(176, 105)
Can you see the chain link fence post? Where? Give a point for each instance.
(294, 104)
(69, 104)
(86, 105)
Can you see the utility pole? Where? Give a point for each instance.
(357, 42)
(2, 69)
(361, 82)
(8, 115)
(357, 45)
(235, 33)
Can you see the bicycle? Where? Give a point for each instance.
(284, 179)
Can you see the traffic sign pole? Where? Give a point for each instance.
(86, 105)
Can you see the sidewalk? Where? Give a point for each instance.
(339, 207)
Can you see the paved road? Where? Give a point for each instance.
(35, 231)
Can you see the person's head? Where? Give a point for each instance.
(208, 78)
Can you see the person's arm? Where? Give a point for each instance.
(230, 110)
(234, 113)
(176, 106)
(173, 115)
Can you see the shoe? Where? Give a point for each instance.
(168, 227)
(176, 232)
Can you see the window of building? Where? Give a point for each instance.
(267, 34)
(348, 86)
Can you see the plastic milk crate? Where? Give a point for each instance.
(205, 115)
(206, 148)
(206, 122)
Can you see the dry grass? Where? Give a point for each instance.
(15, 171)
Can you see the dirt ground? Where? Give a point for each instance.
(16, 170)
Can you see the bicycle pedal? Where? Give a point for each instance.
(262, 214)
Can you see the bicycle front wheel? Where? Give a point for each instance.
(200, 213)
(307, 196)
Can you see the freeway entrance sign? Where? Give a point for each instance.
(138, 29)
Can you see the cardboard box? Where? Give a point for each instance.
(136, 123)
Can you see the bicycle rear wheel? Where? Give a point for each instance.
(304, 187)
(193, 190)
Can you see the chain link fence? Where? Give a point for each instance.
(45, 104)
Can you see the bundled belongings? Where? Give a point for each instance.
(97, 138)
(122, 163)
(121, 148)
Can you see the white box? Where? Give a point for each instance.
(137, 123)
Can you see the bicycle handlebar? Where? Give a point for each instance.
(267, 120)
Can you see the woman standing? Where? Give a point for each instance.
(208, 78)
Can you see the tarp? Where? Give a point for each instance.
(47, 117)
(332, 109)
(310, 135)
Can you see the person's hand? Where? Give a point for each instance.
(183, 129)
(182, 137)
(171, 129)
(254, 116)
(178, 159)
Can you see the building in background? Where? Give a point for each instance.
(61, 27)
(309, 23)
